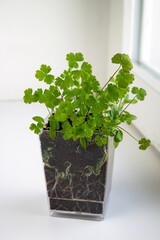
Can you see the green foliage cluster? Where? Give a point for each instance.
(79, 107)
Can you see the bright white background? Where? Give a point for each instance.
(43, 32)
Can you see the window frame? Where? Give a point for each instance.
(131, 39)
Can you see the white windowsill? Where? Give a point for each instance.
(134, 199)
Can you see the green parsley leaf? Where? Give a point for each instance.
(32, 126)
(59, 82)
(52, 133)
(51, 99)
(49, 79)
(113, 112)
(54, 124)
(122, 92)
(128, 100)
(92, 122)
(144, 143)
(35, 128)
(88, 132)
(117, 58)
(64, 83)
(124, 79)
(86, 67)
(141, 94)
(72, 62)
(84, 75)
(79, 57)
(70, 57)
(84, 109)
(28, 97)
(40, 125)
(118, 136)
(91, 101)
(42, 74)
(38, 96)
(38, 119)
(67, 130)
(100, 140)
(134, 90)
(112, 91)
(46, 69)
(124, 60)
(60, 116)
(76, 121)
(126, 63)
(129, 117)
(83, 143)
(116, 144)
(76, 74)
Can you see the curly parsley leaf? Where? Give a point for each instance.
(135, 90)
(28, 97)
(144, 143)
(112, 92)
(38, 119)
(128, 117)
(83, 142)
(42, 74)
(46, 69)
(124, 79)
(38, 96)
(100, 140)
(141, 94)
(124, 60)
(79, 57)
(35, 128)
(72, 61)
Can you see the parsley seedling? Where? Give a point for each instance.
(79, 107)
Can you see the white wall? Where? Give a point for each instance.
(44, 31)
(115, 33)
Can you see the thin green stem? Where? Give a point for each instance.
(48, 110)
(128, 105)
(127, 133)
(109, 80)
(119, 103)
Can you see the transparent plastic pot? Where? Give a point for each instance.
(78, 180)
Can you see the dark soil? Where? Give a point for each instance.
(73, 189)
